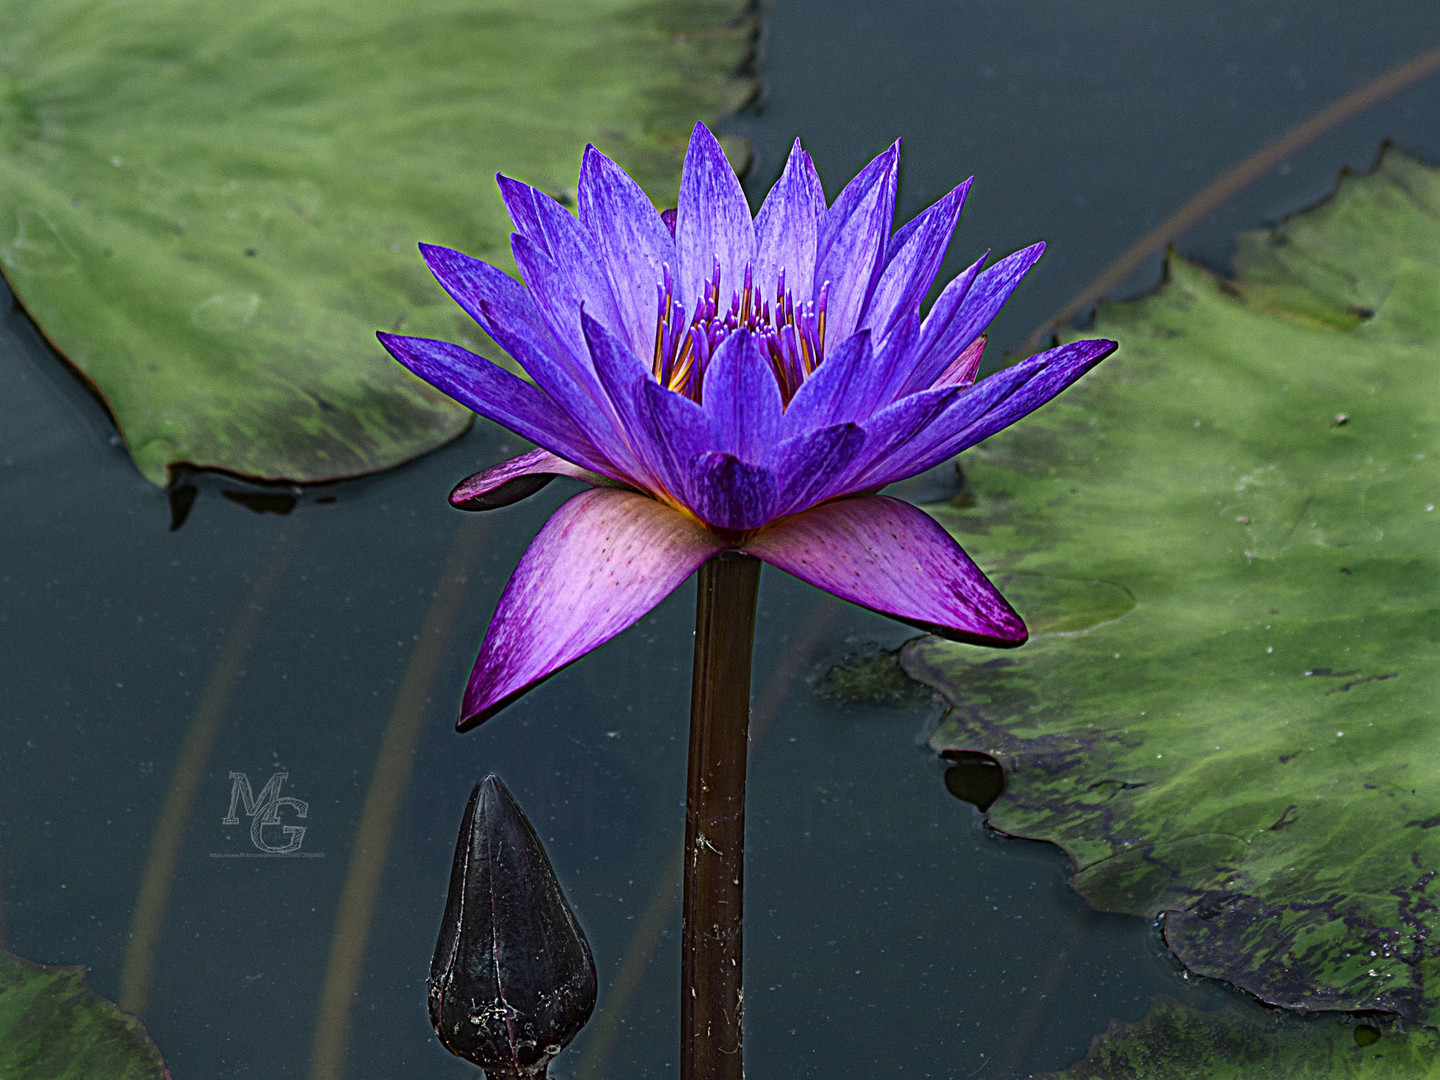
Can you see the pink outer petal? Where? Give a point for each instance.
(601, 562)
(962, 369)
(516, 479)
(888, 556)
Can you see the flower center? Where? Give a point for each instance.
(791, 334)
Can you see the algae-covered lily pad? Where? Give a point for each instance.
(1174, 1042)
(54, 1027)
(210, 207)
(1253, 747)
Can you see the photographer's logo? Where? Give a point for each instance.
(271, 815)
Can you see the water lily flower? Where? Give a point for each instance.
(729, 382)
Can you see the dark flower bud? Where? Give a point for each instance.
(513, 980)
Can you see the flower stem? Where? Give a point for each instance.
(711, 999)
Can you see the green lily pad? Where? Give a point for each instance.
(209, 207)
(1253, 748)
(1175, 1042)
(54, 1027)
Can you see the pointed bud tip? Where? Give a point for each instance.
(513, 979)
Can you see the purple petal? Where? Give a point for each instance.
(1058, 368)
(624, 376)
(901, 236)
(838, 390)
(601, 562)
(635, 245)
(712, 222)
(881, 172)
(526, 207)
(554, 293)
(787, 229)
(556, 232)
(888, 556)
(894, 362)
(991, 289)
(729, 494)
(662, 430)
(513, 480)
(742, 398)
(497, 395)
(676, 431)
(930, 357)
(990, 405)
(490, 296)
(852, 243)
(507, 312)
(912, 267)
(983, 300)
(812, 467)
(890, 431)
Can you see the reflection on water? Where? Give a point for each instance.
(877, 902)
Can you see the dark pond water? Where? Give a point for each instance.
(888, 934)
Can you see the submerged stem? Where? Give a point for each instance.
(711, 998)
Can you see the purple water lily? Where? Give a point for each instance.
(729, 383)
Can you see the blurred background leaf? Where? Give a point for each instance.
(210, 207)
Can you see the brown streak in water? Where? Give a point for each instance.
(175, 813)
(376, 830)
(1249, 170)
(1040, 999)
